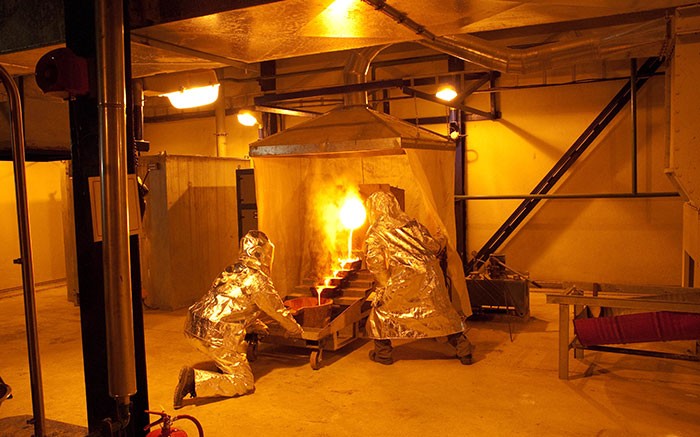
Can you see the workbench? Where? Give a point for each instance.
(637, 298)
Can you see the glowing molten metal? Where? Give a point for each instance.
(319, 291)
(352, 215)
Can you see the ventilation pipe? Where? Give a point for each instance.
(355, 72)
(220, 121)
(115, 224)
(652, 35)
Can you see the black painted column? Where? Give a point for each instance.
(84, 124)
(458, 123)
(272, 123)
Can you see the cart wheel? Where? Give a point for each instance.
(252, 352)
(315, 359)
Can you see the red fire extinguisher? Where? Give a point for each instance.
(166, 425)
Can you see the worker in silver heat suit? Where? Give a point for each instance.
(411, 299)
(217, 324)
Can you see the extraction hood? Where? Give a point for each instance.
(350, 129)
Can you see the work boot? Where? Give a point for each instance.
(185, 386)
(5, 391)
(382, 352)
(462, 346)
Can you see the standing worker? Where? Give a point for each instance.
(411, 299)
(218, 323)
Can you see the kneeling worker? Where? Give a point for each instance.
(218, 323)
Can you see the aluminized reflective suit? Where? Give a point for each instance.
(217, 323)
(411, 297)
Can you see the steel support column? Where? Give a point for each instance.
(458, 123)
(84, 123)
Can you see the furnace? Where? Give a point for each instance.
(331, 302)
(299, 170)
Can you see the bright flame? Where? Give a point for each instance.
(352, 213)
(346, 263)
(246, 118)
(446, 93)
(192, 97)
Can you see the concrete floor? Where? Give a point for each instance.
(511, 389)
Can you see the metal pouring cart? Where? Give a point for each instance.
(349, 310)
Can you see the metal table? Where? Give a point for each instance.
(678, 299)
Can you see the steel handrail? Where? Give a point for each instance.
(25, 246)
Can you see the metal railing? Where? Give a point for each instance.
(25, 246)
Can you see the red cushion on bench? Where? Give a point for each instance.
(638, 328)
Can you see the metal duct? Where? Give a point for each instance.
(220, 120)
(355, 72)
(115, 223)
(651, 36)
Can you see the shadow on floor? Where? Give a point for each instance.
(272, 356)
(19, 426)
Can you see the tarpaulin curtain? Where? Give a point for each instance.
(291, 191)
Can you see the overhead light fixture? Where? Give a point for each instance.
(187, 89)
(246, 118)
(446, 93)
(193, 97)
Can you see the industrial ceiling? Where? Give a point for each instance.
(170, 36)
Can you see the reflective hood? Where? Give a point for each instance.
(256, 251)
(355, 129)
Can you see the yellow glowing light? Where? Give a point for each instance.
(192, 97)
(352, 213)
(446, 93)
(341, 19)
(339, 8)
(246, 118)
